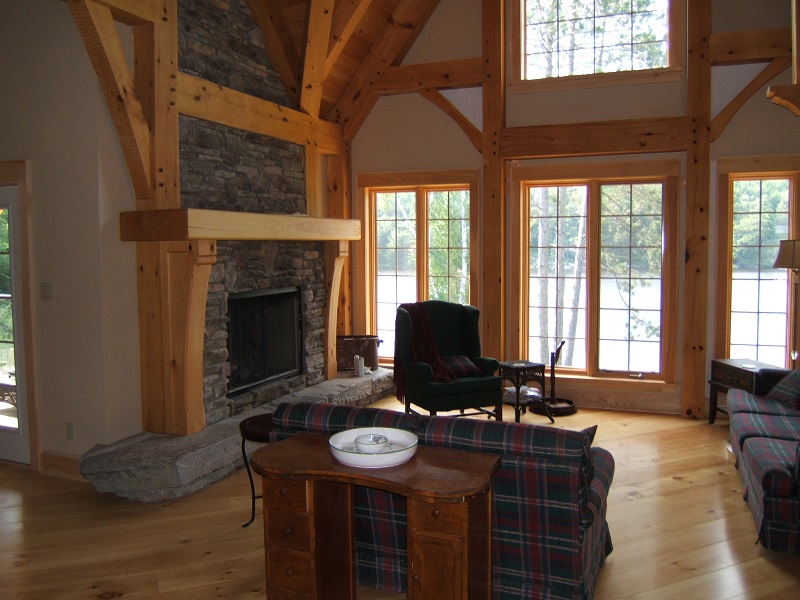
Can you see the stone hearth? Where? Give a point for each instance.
(154, 467)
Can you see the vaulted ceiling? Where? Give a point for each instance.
(333, 55)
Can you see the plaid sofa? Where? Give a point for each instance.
(765, 438)
(549, 533)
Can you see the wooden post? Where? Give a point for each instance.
(493, 211)
(698, 163)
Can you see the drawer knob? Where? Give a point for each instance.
(288, 531)
(289, 571)
(435, 513)
(283, 492)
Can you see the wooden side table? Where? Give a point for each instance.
(308, 519)
(739, 374)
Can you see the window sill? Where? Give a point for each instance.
(600, 80)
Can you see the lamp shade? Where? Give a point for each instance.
(788, 255)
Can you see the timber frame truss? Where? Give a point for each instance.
(174, 263)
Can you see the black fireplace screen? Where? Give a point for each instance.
(264, 337)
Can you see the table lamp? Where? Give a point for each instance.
(789, 258)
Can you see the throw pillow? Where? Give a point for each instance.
(462, 366)
(787, 390)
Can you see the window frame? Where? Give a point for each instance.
(365, 279)
(730, 169)
(594, 175)
(676, 42)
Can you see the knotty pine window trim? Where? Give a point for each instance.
(667, 172)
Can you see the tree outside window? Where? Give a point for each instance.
(423, 251)
(758, 300)
(584, 37)
(612, 312)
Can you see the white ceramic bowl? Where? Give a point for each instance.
(371, 443)
(400, 446)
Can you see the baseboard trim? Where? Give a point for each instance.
(60, 465)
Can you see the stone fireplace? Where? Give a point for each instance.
(246, 269)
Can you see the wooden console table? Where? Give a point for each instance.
(308, 519)
(739, 374)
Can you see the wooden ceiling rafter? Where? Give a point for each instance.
(392, 43)
(346, 19)
(318, 34)
(280, 45)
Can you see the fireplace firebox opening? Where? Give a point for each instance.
(264, 337)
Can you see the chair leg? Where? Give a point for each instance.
(252, 485)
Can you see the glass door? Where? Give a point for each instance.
(14, 435)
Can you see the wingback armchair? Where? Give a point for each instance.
(438, 362)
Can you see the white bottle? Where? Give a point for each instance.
(356, 365)
(361, 368)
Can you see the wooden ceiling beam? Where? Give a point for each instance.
(776, 66)
(95, 23)
(741, 47)
(318, 34)
(280, 45)
(213, 102)
(473, 133)
(347, 18)
(451, 74)
(630, 136)
(391, 46)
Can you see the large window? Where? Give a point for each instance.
(423, 246)
(600, 275)
(756, 298)
(567, 38)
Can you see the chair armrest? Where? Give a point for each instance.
(419, 371)
(488, 365)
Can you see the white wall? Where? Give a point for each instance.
(86, 338)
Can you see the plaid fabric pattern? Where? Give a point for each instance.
(550, 535)
(744, 426)
(544, 516)
(462, 366)
(740, 401)
(379, 517)
(332, 418)
(787, 390)
(770, 464)
(777, 518)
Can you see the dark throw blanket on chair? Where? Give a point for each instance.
(423, 349)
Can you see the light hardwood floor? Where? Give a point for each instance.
(678, 522)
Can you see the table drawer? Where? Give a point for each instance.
(290, 571)
(438, 518)
(289, 530)
(285, 494)
(736, 379)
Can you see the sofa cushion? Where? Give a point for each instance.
(742, 402)
(509, 438)
(462, 366)
(787, 390)
(772, 464)
(744, 426)
(331, 418)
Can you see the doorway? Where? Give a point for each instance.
(17, 444)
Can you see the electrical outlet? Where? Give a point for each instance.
(70, 431)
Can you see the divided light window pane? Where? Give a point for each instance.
(402, 262)
(583, 37)
(759, 293)
(557, 294)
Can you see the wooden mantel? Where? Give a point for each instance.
(183, 224)
(176, 249)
